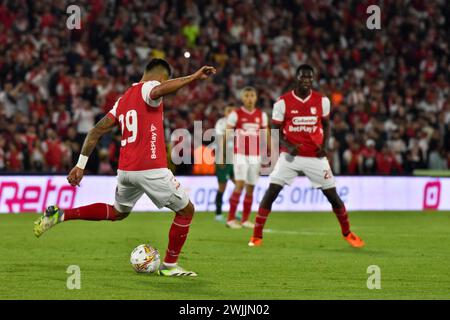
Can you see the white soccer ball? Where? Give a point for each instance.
(145, 259)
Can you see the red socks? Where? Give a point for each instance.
(95, 212)
(248, 200)
(341, 215)
(260, 221)
(177, 236)
(234, 201)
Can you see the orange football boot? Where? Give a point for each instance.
(255, 242)
(354, 240)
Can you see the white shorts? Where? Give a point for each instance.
(246, 168)
(159, 185)
(317, 170)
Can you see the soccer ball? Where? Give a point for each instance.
(145, 259)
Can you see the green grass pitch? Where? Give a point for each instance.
(303, 257)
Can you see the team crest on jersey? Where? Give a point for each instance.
(257, 120)
(313, 110)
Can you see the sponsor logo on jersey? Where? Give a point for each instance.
(294, 111)
(304, 121)
(313, 110)
(153, 142)
(249, 129)
(307, 129)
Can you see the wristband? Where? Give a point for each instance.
(82, 161)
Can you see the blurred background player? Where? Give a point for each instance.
(224, 170)
(246, 122)
(302, 116)
(142, 163)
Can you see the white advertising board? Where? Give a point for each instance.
(34, 193)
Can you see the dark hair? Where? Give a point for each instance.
(304, 67)
(249, 88)
(155, 63)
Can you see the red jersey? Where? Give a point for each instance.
(141, 121)
(301, 120)
(247, 125)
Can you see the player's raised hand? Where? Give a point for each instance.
(204, 72)
(75, 176)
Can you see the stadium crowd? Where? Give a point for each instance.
(390, 88)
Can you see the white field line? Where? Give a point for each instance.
(302, 233)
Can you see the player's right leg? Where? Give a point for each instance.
(319, 172)
(222, 178)
(177, 237)
(263, 212)
(164, 190)
(283, 174)
(53, 215)
(234, 202)
(240, 168)
(219, 200)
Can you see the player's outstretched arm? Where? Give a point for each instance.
(103, 126)
(173, 85)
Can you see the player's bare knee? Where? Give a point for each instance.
(249, 188)
(333, 198)
(189, 210)
(222, 187)
(122, 215)
(239, 186)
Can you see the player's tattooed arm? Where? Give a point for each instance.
(291, 148)
(173, 85)
(105, 125)
(322, 152)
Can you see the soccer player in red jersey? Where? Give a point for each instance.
(302, 116)
(246, 122)
(142, 163)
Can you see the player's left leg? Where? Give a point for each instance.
(342, 216)
(319, 172)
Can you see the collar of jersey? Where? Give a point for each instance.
(248, 112)
(300, 99)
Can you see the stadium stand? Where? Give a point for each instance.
(389, 88)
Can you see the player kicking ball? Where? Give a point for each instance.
(142, 163)
(246, 122)
(302, 116)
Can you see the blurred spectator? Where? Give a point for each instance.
(437, 160)
(389, 88)
(368, 158)
(387, 163)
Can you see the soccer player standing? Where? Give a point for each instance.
(246, 122)
(302, 116)
(142, 163)
(224, 171)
